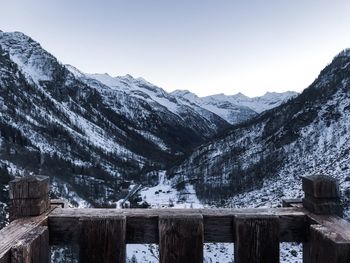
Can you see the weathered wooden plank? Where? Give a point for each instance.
(29, 187)
(291, 202)
(321, 186)
(59, 202)
(181, 239)
(327, 246)
(257, 239)
(28, 207)
(218, 228)
(332, 222)
(140, 228)
(10, 234)
(292, 228)
(28, 196)
(306, 252)
(322, 206)
(102, 239)
(33, 247)
(79, 212)
(142, 224)
(322, 195)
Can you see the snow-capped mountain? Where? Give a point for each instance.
(199, 119)
(233, 109)
(236, 108)
(57, 121)
(89, 132)
(259, 162)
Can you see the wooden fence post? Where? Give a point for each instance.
(102, 239)
(32, 247)
(322, 196)
(181, 238)
(29, 196)
(327, 246)
(256, 239)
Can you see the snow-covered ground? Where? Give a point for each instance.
(165, 195)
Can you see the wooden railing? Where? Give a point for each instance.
(102, 234)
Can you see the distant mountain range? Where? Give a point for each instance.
(96, 130)
(236, 108)
(92, 131)
(233, 109)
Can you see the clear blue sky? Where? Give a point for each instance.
(206, 46)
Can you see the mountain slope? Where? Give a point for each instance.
(236, 108)
(233, 109)
(87, 136)
(263, 158)
(200, 120)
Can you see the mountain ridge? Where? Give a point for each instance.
(89, 137)
(80, 131)
(259, 161)
(231, 108)
(114, 116)
(236, 108)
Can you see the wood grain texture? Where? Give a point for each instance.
(32, 247)
(28, 207)
(322, 195)
(306, 252)
(142, 224)
(257, 239)
(29, 187)
(327, 246)
(10, 234)
(29, 196)
(332, 222)
(181, 239)
(102, 239)
(321, 186)
(323, 206)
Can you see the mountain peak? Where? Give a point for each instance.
(278, 95)
(240, 95)
(183, 93)
(16, 35)
(76, 72)
(128, 76)
(35, 62)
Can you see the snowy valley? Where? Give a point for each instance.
(94, 133)
(93, 130)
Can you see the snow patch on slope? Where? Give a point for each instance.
(164, 194)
